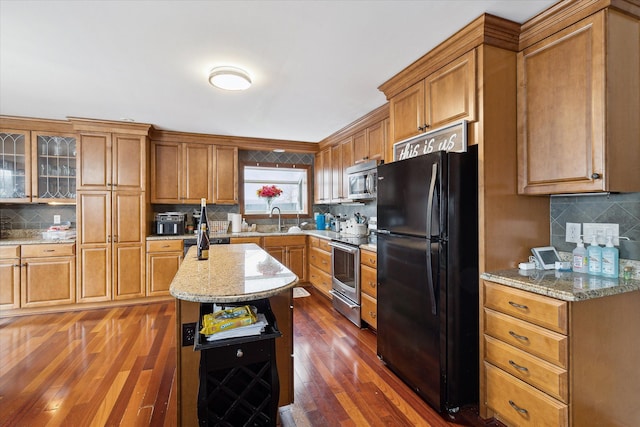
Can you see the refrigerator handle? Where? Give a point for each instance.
(432, 186)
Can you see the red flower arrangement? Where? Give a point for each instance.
(269, 191)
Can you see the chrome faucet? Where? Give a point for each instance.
(279, 216)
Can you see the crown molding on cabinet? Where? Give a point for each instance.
(566, 13)
(486, 29)
(243, 143)
(95, 125)
(29, 123)
(372, 117)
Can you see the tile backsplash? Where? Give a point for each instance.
(622, 209)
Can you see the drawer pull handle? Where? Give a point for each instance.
(517, 408)
(239, 353)
(372, 314)
(518, 367)
(49, 250)
(520, 306)
(373, 285)
(518, 337)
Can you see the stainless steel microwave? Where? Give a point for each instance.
(363, 180)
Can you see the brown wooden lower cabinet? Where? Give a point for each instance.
(9, 277)
(48, 275)
(548, 362)
(163, 260)
(290, 251)
(369, 287)
(320, 265)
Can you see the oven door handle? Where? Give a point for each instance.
(346, 248)
(336, 294)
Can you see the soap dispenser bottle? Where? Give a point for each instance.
(594, 253)
(580, 260)
(610, 257)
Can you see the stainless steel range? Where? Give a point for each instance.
(345, 276)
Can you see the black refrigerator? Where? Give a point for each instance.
(428, 275)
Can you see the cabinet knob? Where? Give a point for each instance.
(596, 175)
(239, 353)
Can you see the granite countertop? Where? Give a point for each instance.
(32, 241)
(322, 234)
(233, 273)
(566, 286)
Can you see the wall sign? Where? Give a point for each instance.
(448, 138)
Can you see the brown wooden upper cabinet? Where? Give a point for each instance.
(369, 143)
(323, 175)
(188, 172)
(443, 97)
(111, 161)
(578, 102)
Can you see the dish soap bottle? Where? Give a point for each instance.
(594, 253)
(580, 262)
(610, 257)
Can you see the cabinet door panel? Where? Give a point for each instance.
(129, 272)
(48, 281)
(226, 175)
(360, 147)
(9, 283)
(15, 146)
(198, 173)
(336, 172)
(377, 137)
(347, 161)
(127, 217)
(297, 261)
(166, 160)
(94, 217)
(161, 268)
(94, 162)
(406, 112)
(129, 162)
(94, 273)
(450, 92)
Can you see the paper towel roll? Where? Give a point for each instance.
(236, 223)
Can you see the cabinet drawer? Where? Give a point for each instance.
(48, 250)
(541, 310)
(546, 344)
(285, 240)
(369, 281)
(530, 369)
(369, 258)
(322, 244)
(369, 312)
(12, 251)
(238, 240)
(319, 279)
(320, 259)
(164, 245)
(520, 404)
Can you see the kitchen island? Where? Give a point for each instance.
(234, 274)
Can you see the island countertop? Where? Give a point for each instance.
(233, 273)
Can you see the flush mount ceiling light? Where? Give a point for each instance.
(229, 78)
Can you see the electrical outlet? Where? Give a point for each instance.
(601, 231)
(188, 334)
(56, 219)
(573, 232)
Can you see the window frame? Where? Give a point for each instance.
(241, 201)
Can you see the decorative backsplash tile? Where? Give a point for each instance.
(623, 209)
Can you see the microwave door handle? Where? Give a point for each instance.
(432, 186)
(368, 184)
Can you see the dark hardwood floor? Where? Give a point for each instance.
(117, 367)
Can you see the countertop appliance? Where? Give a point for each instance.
(362, 181)
(170, 223)
(427, 245)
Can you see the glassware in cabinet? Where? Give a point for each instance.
(14, 176)
(56, 167)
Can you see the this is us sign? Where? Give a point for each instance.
(448, 138)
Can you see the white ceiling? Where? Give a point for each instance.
(316, 65)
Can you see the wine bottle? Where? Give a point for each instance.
(203, 243)
(203, 219)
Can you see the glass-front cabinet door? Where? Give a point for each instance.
(54, 167)
(15, 177)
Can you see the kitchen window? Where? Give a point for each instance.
(293, 180)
